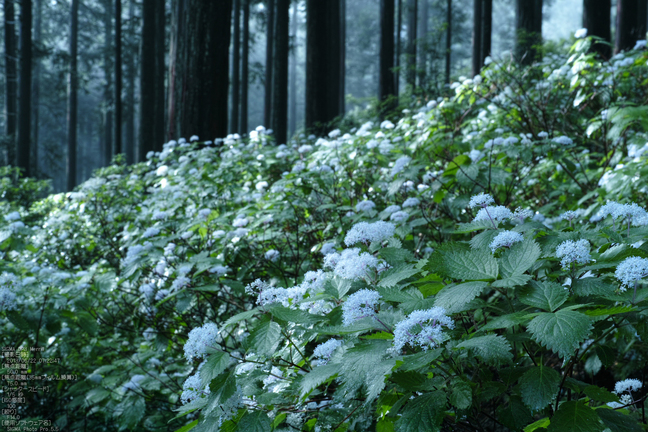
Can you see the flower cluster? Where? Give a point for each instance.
(497, 213)
(631, 270)
(505, 239)
(573, 252)
(422, 328)
(200, 339)
(481, 200)
(351, 263)
(361, 304)
(324, 350)
(367, 233)
(365, 206)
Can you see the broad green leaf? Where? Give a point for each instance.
(222, 388)
(188, 426)
(575, 417)
(422, 359)
(539, 387)
(506, 321)
(265, 338)
(293, 315)
(562, 331)
(461, 396)
(492, 349)
(215, 365)
(473, 265)
(614, 310)
(423, 413)
(317, 376)
(254, 421)
(511, 281)
(130, 411)
(592, 286)
(240, 317)
(617, 421)
(544, 295)
(453, 298)
(465, 228)
(519, 258)
(542, 423)
(394, 294)
(600, 394)
(366, 365)
(392, 276)
(483, 239)
(395, 256)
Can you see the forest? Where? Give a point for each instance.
(324, 215)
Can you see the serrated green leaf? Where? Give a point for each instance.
(473, 265)
(542, 423)
(366, 365)
(265, 338)
(423, 413)
(392, 276)
(296, 316)
(461, 396)
(511, 281)
(130, 411)
(614, 310)
(395, 256)
(419, 360)
(562, 331)
(591, 286)
(454, 298)
(254, 421)
(547, 296)
(492, 349)
(617, 421)
(539, 387)
(317, 376)
(215, 365)
(222, 388)
(240, 317)
(600, 394)
(465, 228)
(575, 417)
(506, 321)
(394, 294)
(483, 239)
(188, 426)
(519, 258)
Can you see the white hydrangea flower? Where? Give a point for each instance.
(13, 216)
(563, 140)
(521, 214)
(631, 270)
(543, 135)
(570, 215)
(286, 296)
(392, 209)
(7, 299)
(151, 232)
(272, 255)
(220, 270)
(411, 202)
(365, 206)
(627, 385)
(351, 264)
(505, 239)
(360, 304)
(497, 213)
(481, 200)
(399, 216)
(328, 248)
(400, 164)
(240, 222)
(324, 350)
(192, 389)
(573, 252)
(422, 328)
(386, 124)
(200, 339)
(365, 232)
(160, 215)
(580, 33)
(314, 280)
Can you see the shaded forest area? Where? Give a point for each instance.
(85, 80)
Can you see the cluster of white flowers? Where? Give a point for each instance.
(151, 232)
(399, 216)
(570, 215)
(631, 270)
(391, 209)
(521, 214)
(481, 200)
(240, 222)
(505, 239)
(200, 339)
(422, 328)
(134, 383)
(160, 215)
(366, 233)
(365, 206)
(204, 213)
(496, 213)
(361, 304)
(288, 297)
(563, 140)
(351, 263)
(632, 213)
(400, 164)
(220, 270)
(627, 385)
(7, 299)
(12, 217)
(411, 202)
(327, 248)
(324, 350)
(573, 252)
(272, 255)
(580, 33)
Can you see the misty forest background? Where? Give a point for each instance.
(85, 80)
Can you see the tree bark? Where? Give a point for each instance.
(11, 79)
(448, 53)
(386, 79)
(73, 85)
(130, 96)
(160, 48)
(412, 10)
(267, 113)
(342, 56)
(118, 77)
(24, 103)
(147, 81)
(36, 74)
(280, 74)
(245, 68)
(487, 29)
(483, 25)
(397, 61)
(630, 24)
(236, 64)
(528, 31)
(423, 42)
(596, 19)
(477, 37)
(292, 125)
(108, 90)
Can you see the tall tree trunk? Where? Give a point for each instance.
(108, 90)
(24, 103)
(477, 37)
(596, 19)
(11, 79)
(397, 62)
(199, 69)
(322, 63)
(236, 65)
(630, 24)
(160, 48)
(386, 79)
(178, 10)
(292, 126)
(38, 40)
(528, 30)
(280, 75)
(147, 81)
(118, 77)
(487, 29)
(342, 55)
(73, 85)
(412, 10)
(267, 112)
(130, 96)
(448, 53)
(245, 68)
(423, 42)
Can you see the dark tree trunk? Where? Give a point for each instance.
(342, 55)
(178, 10)
(280, 75)
(596, 19)
(477, 36)
(11, 78)
(24, 104)
(108, 90)
(448, 53)
(397, 62)
(292, 126)
(236, 64)
(528, 31)
(245, 68)
(322, 64)
(412, 11)
(423, 42)
(147, 81)
(198, 77)
(130, 96)
(73, 85)
(118, 77)
(630, 24)
(38, 40)
(386, 79)
(267, 112)
(160, 48)
(487, 29)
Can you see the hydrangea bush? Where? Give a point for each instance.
(476, 264)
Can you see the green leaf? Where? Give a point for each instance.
(562, 331)
(575, 417)
(215, 365)
(255, 421)
(519, 258)
(222, 388)
(473, 265)
(317, 376)
(422, 359)
(617, 421)
(392, 276)
(130, 411)
(542, 423)
(465, 228)
(453, 298)
(506, 321)
(365, 366)
(492, 349)
(511, 281)
(461, 396)
(265, 338)
(240, 317)
(614, 310)
(539, 387)
(293, 315)
(591, 287)
(548, 296)
(423, 413)
(188, 426)
(600, 394)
